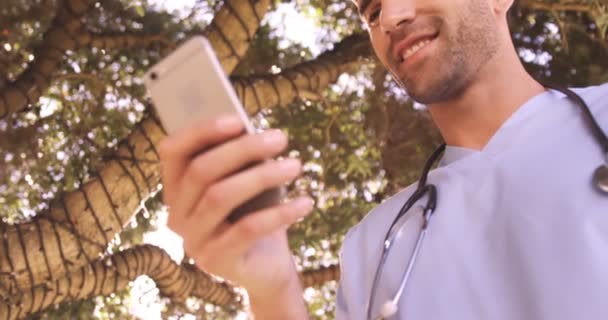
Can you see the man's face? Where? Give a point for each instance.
(433, 48)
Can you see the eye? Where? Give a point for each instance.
(373, 16)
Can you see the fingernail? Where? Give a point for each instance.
(274, 137)
(303, 204)
(227, 122)
(289, 164)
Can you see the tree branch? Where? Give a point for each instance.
(317, 277)
(29, 86)
(113, 273)
(305, 80)
(232, 29)
(80, 224)
(230, 33)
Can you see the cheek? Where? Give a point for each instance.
(380, 42)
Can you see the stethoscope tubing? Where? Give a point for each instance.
(600, 135)
(429, 189)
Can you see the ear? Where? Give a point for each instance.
(501, 6)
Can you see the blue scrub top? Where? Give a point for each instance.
(520, 232)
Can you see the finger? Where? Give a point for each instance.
(177, 149)
(223, 160)
(239, 238)
(223, 197)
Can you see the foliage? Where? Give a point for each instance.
(361, 142)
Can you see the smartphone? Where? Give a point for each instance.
(189, 85)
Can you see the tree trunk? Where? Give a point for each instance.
(81, 223)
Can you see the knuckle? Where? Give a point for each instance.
(248, 227)
(278, 172)
(283, 214)
(199, 168)
(260, 146)
(263, 175)
(245, 147)
(215, 196)
(256, 141)
(273, 171)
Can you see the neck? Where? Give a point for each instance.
(501, 86)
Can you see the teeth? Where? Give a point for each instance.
(413, 49)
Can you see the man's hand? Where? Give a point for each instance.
(202, 188)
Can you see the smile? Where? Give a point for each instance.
(414, 48)
(407, 49)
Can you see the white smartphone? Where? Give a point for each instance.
(189, 85)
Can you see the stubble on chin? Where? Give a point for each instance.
(459, 58)
(443, 78)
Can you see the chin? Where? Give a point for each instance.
(430, 91)
(419, 92)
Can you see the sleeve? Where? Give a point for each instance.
(341, 306)
(344, 295)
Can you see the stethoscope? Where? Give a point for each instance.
(389, 308)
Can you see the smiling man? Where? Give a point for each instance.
(518, 211)
(520, 221)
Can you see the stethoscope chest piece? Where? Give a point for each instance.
(600, 178)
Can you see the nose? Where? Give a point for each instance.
(396, 12)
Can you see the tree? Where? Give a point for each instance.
(80, 180)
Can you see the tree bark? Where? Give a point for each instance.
(305, 80)
(113, 273)
(318, 277)
(230, 32)
(233, 28)
(30, 85)
(80, 224)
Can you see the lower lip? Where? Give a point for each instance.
(416, 57)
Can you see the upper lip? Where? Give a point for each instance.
(408, 41)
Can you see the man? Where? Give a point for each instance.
(519, 232)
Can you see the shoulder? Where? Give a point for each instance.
(596, 98)
(598, 90)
